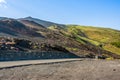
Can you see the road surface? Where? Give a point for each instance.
(10, 64)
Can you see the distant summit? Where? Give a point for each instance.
(2, 18)
(41, 22)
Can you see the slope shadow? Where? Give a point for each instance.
(6, 31)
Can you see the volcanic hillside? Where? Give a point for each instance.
(82, 41)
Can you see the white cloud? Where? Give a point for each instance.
(3, 4)
(2, 1)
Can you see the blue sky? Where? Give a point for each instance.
(103, 13)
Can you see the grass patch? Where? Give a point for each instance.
(97, 36)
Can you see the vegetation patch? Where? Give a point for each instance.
(117, 44)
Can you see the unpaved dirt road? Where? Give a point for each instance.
(71, 70)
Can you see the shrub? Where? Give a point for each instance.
(117, 44)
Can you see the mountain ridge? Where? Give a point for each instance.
(39, 21)
(40, 35)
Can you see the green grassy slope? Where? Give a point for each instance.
(106, 38)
